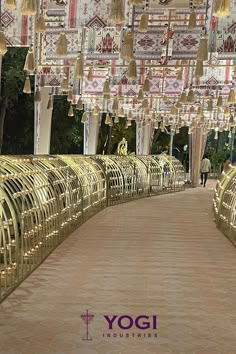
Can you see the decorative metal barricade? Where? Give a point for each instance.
(43, 199)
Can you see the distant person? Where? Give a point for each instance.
(205, 168)
(226, 163)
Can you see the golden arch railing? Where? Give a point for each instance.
(44, 198)
(224, 204)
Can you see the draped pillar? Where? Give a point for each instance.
(42, 124)
(91, 130)
(144, 137)
(197, 149)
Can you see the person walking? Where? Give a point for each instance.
(205, 168)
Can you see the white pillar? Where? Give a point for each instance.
(91, 130)
(42, 124)
(139, 139)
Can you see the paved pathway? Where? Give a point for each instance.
(157, 256)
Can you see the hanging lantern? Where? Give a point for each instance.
(140, 95)
(216, 135)
(29, 61)
(27, 85)
(121, 112)
(143, 25)
(3, 43)
(40, 26)
(29, 7)
(10, 4)
(50, 102)
(62, 44)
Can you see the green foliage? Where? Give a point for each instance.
(67, 132)
(16, 108)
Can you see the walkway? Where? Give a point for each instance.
(161, 255)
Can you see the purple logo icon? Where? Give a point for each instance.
(87, 318)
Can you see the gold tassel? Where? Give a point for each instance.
(29, 7)
(106, 88)
(174, 111)
(96, 110)
(146, 85)
(197, 2)
(65, 85)
(79, 67)
(199, 112)
(192, 20)
(121, 112)
(117, 14)
(129, 116)
(210, 105)
(27, 85)
(115, 105)
(231, 97)
(79, 104)
(37, 96)
(117, 120)
(202, 53)
(84, 118)
(3, 44)
(180, 74)
(71, 112)
(127, 47)
(90, 75)
(108, 119)
(10, 4)
(50, 102)
(140, 95)
(145, 103)
(40, 25)
(227, 112)
(220, 101)
(178, 105)
(190, 97)
(61, 45)
(223, 8)
(132, 70)
(199, 69)
(29, 61)
(70, 96)
(183, 97)
(143, 25)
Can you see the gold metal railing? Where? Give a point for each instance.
(224, 204)
(44, 198)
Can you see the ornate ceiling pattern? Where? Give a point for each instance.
(165, 53)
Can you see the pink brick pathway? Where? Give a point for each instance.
(160, 255)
